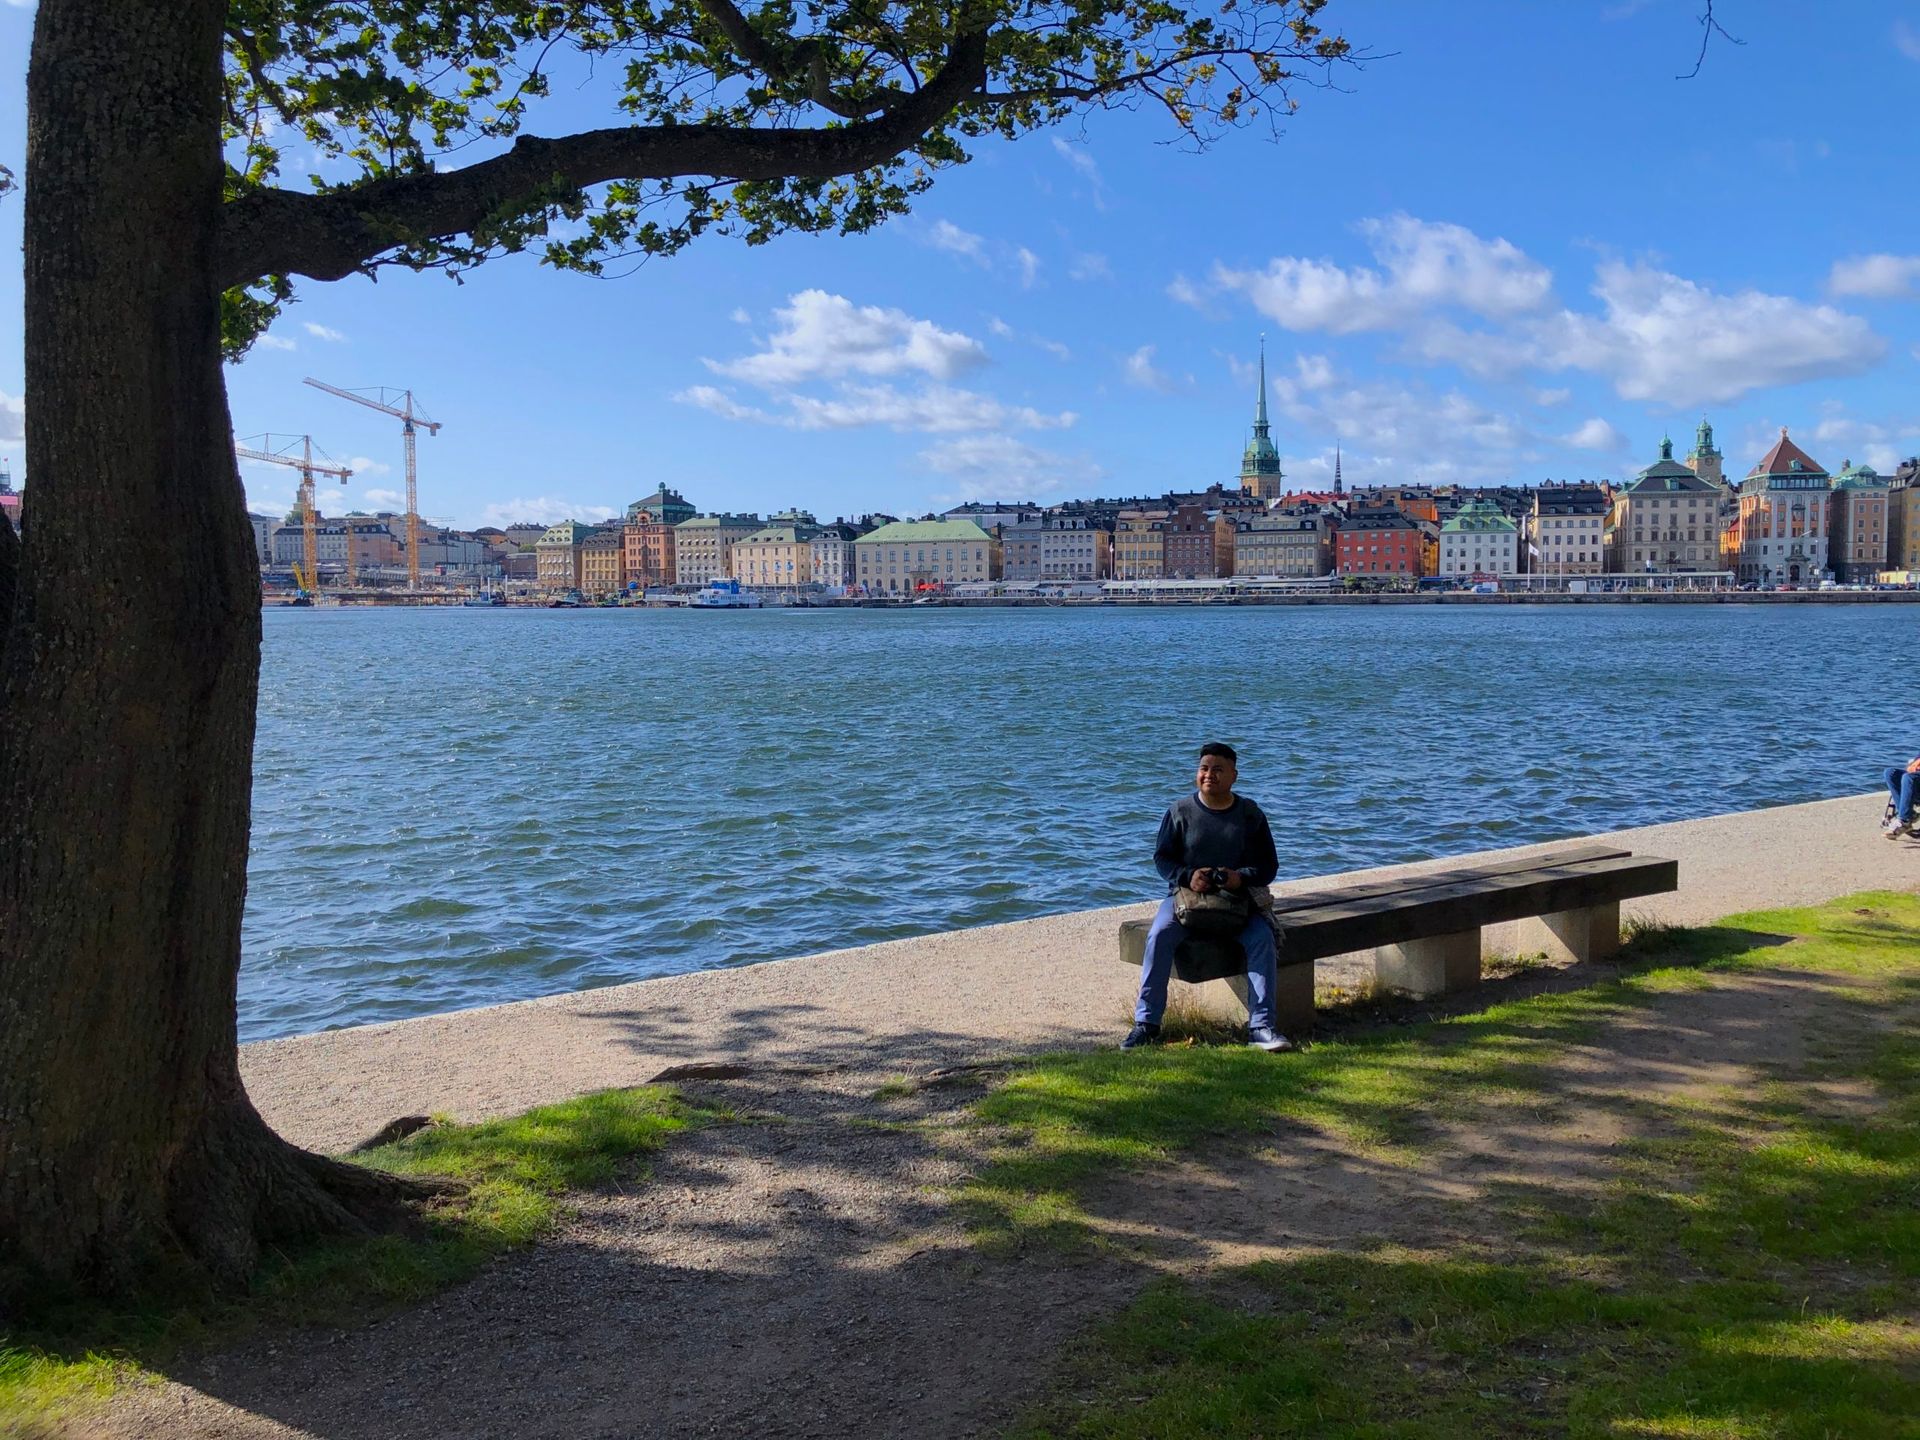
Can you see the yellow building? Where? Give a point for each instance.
(1140, 544)
(778, 555)
(1903, 527)
(1666, 520)
(557, 555)
(911, 555)
(603, 563)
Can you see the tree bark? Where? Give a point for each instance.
(128, 689)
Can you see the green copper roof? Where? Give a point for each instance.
(924, 532)
(777, 535)
(715, 522)
(1260, 457)
(567, 532)
(1479, 517)
(1858, 477)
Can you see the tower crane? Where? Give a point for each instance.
(408, 417)
(308, 468)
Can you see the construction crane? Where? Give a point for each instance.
(308, 468)
(408, 417)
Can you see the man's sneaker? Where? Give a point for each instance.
(1893, 827)
(1265, 1037)
(1141, 1034)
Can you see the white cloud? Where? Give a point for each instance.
(323, 332)
(1053, 348)
(1140, 370)
(998, 327)
(1597, 434)
(1664, 338)
(1876, 277)
(739, 316)
(390, 499)
(274, 342)
(1906, 39)
(1878, 443)
(1000, 466)
(1183, 291)
(1090, 266)
(545, 510)
(1552, 397)
(1089, 168)
(825, 336)
(366, 466)
(1405, 432)
(933, 409)
(1424, 266)
(1029, 264)
(13, 417)
(945, 235)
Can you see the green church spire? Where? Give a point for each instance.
(1260, 460)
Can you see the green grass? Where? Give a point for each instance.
(1749, 1271)
(520, 1173)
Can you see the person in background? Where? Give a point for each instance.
(1903, 800)
(1212, 831)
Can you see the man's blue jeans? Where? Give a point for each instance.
(1165, 937)
(1903, 789)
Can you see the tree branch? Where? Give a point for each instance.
(331, 235)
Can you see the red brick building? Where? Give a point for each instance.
(1379, 542)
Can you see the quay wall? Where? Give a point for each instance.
(943, 998)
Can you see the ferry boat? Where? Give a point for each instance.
(571, 600)
(724, 595)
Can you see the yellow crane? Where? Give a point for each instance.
(408, 417)
(308, 468)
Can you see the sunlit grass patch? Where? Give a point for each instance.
(520, 1171)
(1747, 1271)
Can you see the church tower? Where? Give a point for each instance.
(1704, 460)
(1260, 474)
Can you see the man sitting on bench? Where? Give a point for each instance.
(1211, 831)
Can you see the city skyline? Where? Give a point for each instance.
(1080, 314)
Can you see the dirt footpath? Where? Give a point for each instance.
(802, 1274)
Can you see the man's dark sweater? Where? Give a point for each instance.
(1194, 837)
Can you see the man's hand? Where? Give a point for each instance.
(1235, 880)
(1200, 882)
(1913, 766)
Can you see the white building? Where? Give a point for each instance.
(703, 546)
(909, 555)
(1479, 540)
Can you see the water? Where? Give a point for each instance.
(460, 807)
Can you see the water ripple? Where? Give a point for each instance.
(456, 808)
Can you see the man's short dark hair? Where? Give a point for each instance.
(1223, 750)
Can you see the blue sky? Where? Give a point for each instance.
(1510, 250)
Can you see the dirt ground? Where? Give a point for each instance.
(804, 1275)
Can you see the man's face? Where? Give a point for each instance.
(1215, 779)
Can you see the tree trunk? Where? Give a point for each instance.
(127, 699)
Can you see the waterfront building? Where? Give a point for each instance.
(444, 548)
(1291, 542)
(991, 514)
(832, 547)
(1567, 530)
(603, 563)
(1666, 520)
(909, 555)
(263, 528)
(523, 536)
(1379, 541)
(649, 533)
(1260, 474)
(703, 547)
(1704, 460)
(665, 504)
(1779, 536)
(1139, 544)
(1055, 547)
(1857, 528)
(1479, 540)
(557, 555)
(1198, 544)
(775, 555)
(1903, 520)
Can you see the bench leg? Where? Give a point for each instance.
(1570, 936)
(1436, 966)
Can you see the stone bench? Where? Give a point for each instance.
(1425, 930)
